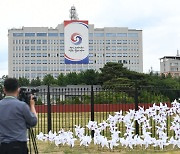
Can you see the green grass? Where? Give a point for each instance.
(50, 148)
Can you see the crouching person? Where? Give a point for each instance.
(15, 117)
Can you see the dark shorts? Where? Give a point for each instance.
(14, 148)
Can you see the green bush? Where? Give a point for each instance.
(152, 97)
(113, 98)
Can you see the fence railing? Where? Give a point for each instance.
(59, 107)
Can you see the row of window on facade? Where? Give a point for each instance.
(113, 41)
(61, 48)
(100, 61)
(34, 75)
(38, 48)
(62, 34)
(62, 55)
(38, 41)
(45, 68)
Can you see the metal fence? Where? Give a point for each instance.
(65, 107)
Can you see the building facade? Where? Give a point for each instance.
(37, 51)
(170, 65)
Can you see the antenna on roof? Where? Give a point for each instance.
(177, 53)
(73, 14)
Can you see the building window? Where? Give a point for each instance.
(107, 41)
(44, 41)
(27, 68)
(44, 62)
(121, 34)
(61, 54)
(90, 41)
(110, 34)
(90, 48)
(113, 54)
(124, 41)
(26, 41)
(32, 54)
(113, 48)
(32, 48)
(107, 48)
(29, 34)
(33, 68)
(119, 54)
(44, 48)
(53, 34)
(132, 34)
(125, 62)
(38, 54)
(61, 61)
(26, 48)
(61, 48)
(44, 54)
(33, 75)
(39, 68)
(99, 34)
(61, 34)
(91, 55)
(18, 34)
(26, 61)
(124, 48)
(38, 41)
(42, 34)
(108, 54)
(119, 61)
(61, 41)
(32, 41)
(90, 34)
(113, 41)
(38, 61)
(44, 68)
(39, 48)
(90, 61)
(124, 54)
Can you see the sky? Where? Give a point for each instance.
(159, 20)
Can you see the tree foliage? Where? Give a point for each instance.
(24, 81)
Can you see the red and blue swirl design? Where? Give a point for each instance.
(76, 38)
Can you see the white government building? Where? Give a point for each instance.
(37, 51)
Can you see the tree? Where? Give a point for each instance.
(89, 77)
(112, 71)
(23, 81)
(72, 78)
(49, 80)
(36, 82)
(61, 80)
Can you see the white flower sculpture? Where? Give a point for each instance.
(158, 114)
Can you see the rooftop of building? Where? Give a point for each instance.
(177, 57)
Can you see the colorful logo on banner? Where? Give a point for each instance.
(76, 42)
(76, 38)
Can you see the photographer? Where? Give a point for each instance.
(15, 117)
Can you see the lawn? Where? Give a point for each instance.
(45, 147)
